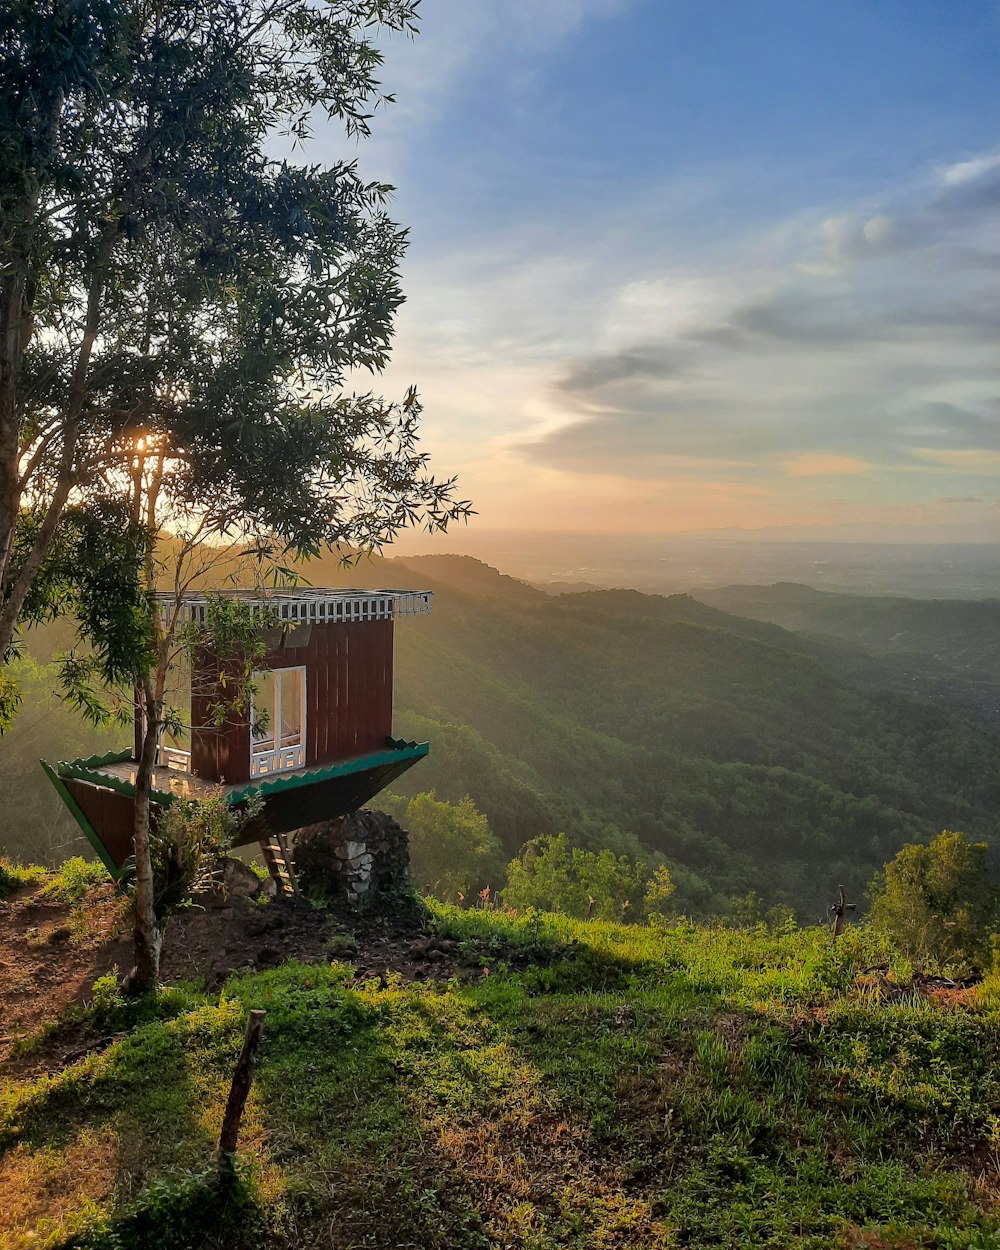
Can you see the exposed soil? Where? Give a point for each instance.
(51, 955)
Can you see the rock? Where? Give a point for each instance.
(234, 880)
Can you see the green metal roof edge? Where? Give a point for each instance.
(86, 828)
(89, 770)
(110, 757)
(393, 755)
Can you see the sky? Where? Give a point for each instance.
(684, 265)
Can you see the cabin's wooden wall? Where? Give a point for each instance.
(348, 699)
(110, 815)
(218, 752)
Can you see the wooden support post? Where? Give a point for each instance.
(238, 1091)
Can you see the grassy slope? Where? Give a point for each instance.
(631, 1087)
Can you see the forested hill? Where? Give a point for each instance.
(738, 750)
(944, 649)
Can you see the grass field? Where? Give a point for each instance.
(587, 1085)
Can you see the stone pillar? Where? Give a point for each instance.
(354, 859)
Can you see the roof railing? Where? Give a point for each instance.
(304, 607)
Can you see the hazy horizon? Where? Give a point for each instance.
(670, 564)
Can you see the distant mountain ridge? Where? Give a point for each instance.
(947, 650)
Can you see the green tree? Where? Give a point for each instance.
(167, 282)
(179, 313)
(660, 889)
(939, 902)
(453, 850)
(552, 875)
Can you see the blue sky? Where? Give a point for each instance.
(682, 265)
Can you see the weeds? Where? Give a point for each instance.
(14, 877)
(74, 879)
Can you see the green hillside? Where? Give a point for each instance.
(944, 649)
(736, 749)
(748, 756)
(540, 1084)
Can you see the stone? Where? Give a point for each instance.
(233, 880)
(354, 858)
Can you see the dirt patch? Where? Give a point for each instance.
(51, 955)
(48, 1185)
(877, 983)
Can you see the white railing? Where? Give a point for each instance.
(174, 757)
(308, 607)
(263, 763)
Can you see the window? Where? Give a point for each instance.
(278, 722)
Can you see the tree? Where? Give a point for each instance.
(659, 890)
(453, 850)
(178, 317)
(939, 902)
(553, 876)
(164, 277)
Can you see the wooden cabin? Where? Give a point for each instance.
(316, 742)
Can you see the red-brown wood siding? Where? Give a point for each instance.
(218, 752)
(348, 699)
(110, 814)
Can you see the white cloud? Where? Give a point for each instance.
(972, 170)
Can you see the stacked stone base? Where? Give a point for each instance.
(355, 859)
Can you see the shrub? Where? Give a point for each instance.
(453, 850)
(939, 902)
(186, 844)
(659, 890)
(75, 878)
(553, 876)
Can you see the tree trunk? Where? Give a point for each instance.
(148, 934)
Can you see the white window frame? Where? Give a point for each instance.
(280, 757)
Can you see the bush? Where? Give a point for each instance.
(186, 846)
(14, 877)
(551, 875)
(659, 890)
(74, 878)
(453, 850)
(939, 903)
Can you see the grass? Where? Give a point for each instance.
(625, 1087)
(14, 877)
(74, 879)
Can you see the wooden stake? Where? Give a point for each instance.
(238, 1091)
(839, 913)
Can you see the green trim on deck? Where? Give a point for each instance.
(395, 754)
(86, 828)
(84, 770)
(110, 757)
(89, 770)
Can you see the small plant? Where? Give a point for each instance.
(15, 877)
(186, 846)
(107, 999)
(75, 879)
(341, 946)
